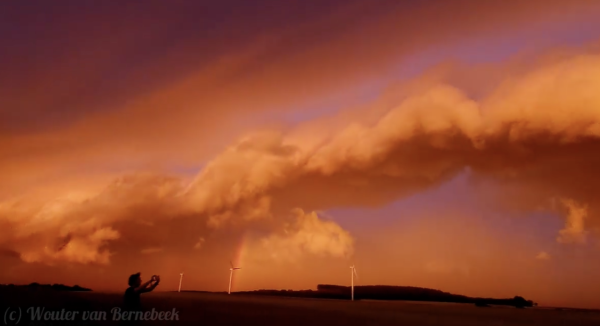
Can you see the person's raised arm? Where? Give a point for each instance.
(143, 287)
(153, 286)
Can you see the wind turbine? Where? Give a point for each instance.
(180, 279)
(352, 273)
(231, 275)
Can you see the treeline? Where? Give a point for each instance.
(384, 292)
(55, 287)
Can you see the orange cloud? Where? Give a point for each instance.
(163, 118)
(543, 256)
(574, 231)
(311, 235)
(521, 134)
(198, 244)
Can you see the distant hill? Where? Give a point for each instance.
(54, 287)
(386, 292)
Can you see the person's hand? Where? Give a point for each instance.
(157, 278)
(153, 278)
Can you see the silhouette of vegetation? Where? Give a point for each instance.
(384, 292)
(54, 287)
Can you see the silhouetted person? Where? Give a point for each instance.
(136, 287)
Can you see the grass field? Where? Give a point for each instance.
(223, 309)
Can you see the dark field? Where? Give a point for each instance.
(223, 309)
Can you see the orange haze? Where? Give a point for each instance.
(105, 190)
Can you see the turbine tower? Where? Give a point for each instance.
(180, 279)
(231, 275)
(352, 273)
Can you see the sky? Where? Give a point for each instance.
(443, 144)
